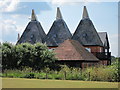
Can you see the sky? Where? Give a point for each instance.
(15, 15)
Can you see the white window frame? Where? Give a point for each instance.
(88, 49)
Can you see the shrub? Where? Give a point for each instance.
(13, 73)
(36, 56)
(8, 56)
(102, 73)
(29, 75)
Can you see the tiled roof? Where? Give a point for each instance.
(104, 38)
(73, 50)
(33, 33)
(86, 33)
(58, 32)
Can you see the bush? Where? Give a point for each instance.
(101, 73)
(8, 56)
(36, 56)
(13, 73)
(29, 75)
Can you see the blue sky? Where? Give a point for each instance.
(15, 17)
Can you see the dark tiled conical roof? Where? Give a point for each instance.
(33, 33)
(86, 33)
(58, 31)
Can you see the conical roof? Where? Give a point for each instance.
(58, 31)
(86, 33)
(33, 33)
(73, 50)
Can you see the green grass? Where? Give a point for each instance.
(38, 83)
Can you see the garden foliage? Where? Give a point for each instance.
(36, 56)
(36, 61)
(101, 73)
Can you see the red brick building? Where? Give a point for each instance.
(95, 42)
(72, 53)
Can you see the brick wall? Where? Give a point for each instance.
(89, 64)
(95, 48)
(104, 62)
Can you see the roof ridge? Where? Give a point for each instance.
(75, 47)
(73, 50)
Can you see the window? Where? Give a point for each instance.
(51, 49)
(88, 49)
(100, 49)
(105, 50)
(32, 36)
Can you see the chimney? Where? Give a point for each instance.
(18, 36)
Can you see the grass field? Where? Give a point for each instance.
(38, 83)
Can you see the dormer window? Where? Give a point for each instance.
(52, 49)
(88, 49)
(32, 36)
(84, 35)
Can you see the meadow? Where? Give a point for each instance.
(39, 83)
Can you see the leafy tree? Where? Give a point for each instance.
(43, 57)
(8, 59)
(116, 66)
(36, 56)
(24, 54)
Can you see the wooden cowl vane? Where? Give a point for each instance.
(34, 32)
(59, 31)
(86, 33)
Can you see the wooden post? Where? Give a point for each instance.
(65, 75)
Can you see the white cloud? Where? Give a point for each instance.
(21, 18)
(12, 5)
(9, 30)
(8, 27)
(20, 29)
(8, 5)
(69, 0)
(62, 2)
